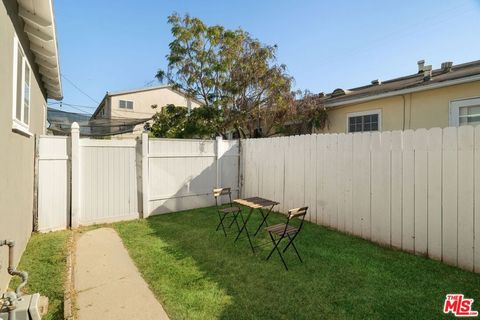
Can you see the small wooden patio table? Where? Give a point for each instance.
(259, 204)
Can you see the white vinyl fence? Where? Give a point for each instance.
(88, 181)
(414, 190)
(108, 181)
(53, 183)
(182, 173)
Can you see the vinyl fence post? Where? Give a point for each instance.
(75, 165)
(145, 175)
(219, 153)
(241, 169)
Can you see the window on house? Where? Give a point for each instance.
(21, 89)
(125, 104)
(465, 112)
(364, 121)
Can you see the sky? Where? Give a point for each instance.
(118, 45)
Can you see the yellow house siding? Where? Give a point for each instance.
(424, 109)
(143, 100)
(431, 108)
(391, 114)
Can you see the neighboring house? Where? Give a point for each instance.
(29, 75)
(137, 104)
(448, 96)
(59, 122)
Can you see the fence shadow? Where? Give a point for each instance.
(195, 191)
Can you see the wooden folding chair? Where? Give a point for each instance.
(282, 231)
(224, 212)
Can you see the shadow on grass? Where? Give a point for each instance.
(198, 273)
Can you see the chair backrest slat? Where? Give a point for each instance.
(297, 212)
(221, 192)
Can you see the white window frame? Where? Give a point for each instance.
(454, 109)
(364, 113)
(19, 125)
(126, 103)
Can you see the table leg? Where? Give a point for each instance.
(244, 225)
(264, 221)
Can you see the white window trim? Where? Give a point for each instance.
(364, 113)
(19, 125)
(454, 109)
(125, 109)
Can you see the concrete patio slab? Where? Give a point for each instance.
(107, 283)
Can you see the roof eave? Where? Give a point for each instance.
(100, 105)
(39, 25)
(404, 91)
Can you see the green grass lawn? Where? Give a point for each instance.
(197, 273)
(45, 261)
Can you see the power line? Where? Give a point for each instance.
(73, 104)
(58, 109)
(80, 90)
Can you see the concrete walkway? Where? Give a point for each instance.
(107, 283)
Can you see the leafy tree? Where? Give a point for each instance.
(230, 71)
(238, 80)
(175, 122)
(170, 122)
(307, 114)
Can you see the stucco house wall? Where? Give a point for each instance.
(424, 109)
(17, 150)
(142, 105)
(143, 100)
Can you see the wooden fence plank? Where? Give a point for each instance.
(408, 204)
(396, 189)
(290, 188)
(348, 166)
(252, 163)
(254, 171)
(278, 163)
(421, 189)
(310, 176)
(465, 197)
(359, 183)
(321, 200)
(477, 200)
(268, 170)
(434, 193)
(290, 173)
(331, 181)
(449, 196)
(299, 175)
(341, 182)
(365, 201)
(380, 187)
